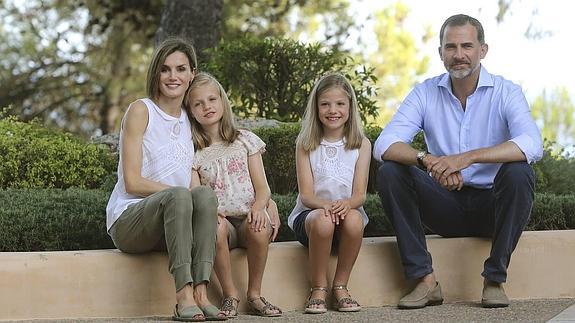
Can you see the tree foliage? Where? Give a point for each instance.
(77, 64)
(326, 21)
(74, 63)
(272, 78)
(396, 59)
(554, 111)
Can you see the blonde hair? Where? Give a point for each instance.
(312, 129)
(166, 48)
(228, 129)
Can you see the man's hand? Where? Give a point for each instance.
(442, 167)
(446, 170)
(452, 182)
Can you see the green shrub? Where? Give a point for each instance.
(272, 77)
(279, 160)
(32, 156)
(555, 173)
(74, 219)
(53, 219)
(552, 212)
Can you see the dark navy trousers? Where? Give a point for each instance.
(411, 198)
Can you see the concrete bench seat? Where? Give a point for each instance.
(108, 283)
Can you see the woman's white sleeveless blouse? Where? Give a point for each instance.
(167, 157)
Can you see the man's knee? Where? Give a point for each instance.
(517, 174)
(389, 172)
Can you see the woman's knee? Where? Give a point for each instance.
(178, 193)
(179, 199)
(204, 196)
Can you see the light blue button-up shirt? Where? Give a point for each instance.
(496, 112)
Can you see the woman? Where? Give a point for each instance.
(152, 206)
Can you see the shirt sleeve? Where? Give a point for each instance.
(523, 130)
(252, 142)
(405, 124)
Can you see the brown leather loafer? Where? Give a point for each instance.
(493, 295)
(421, 296)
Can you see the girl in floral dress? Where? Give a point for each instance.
(229, 160)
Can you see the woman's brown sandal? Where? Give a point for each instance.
(309, 309)
(267, 310)
(230, 306)
(346, 304)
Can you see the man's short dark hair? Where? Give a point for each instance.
(461, 20)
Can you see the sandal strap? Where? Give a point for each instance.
(315, 301)
(323, 289)
(347, 300)
(340, 287)
(268, 307)
(344, 300)
(228, 304)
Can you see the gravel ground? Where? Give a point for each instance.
(518, 311)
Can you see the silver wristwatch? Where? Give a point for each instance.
(420, 156)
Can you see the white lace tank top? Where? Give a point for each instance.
(332, 167)
(168, 154)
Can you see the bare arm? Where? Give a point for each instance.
(133, 130)
(305, 182)
(361, 175)
(405, 154)
(359, 188)
(502, 153)
(195, 179)
(402, 153)
(257, 216)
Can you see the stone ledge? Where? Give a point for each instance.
(108, 283)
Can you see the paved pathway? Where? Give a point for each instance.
(555, 311)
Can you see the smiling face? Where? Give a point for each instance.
(206, 104)
(175, 75)
(333, 109)
(461, 51)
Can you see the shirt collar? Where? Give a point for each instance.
(485, 79)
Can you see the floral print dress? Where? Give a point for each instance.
(224, 167)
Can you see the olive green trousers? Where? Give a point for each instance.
(178, 220)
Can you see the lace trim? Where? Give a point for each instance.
(166, 161)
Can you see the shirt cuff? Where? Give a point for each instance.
(528, 146)
(382, 144)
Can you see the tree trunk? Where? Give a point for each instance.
(196, 20)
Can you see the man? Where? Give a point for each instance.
(476, 178)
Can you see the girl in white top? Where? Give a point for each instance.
(332, 161)
(152, 206)
(230, 162)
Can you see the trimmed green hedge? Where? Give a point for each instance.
(74, 219)
(53, 219)
(32, 156)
